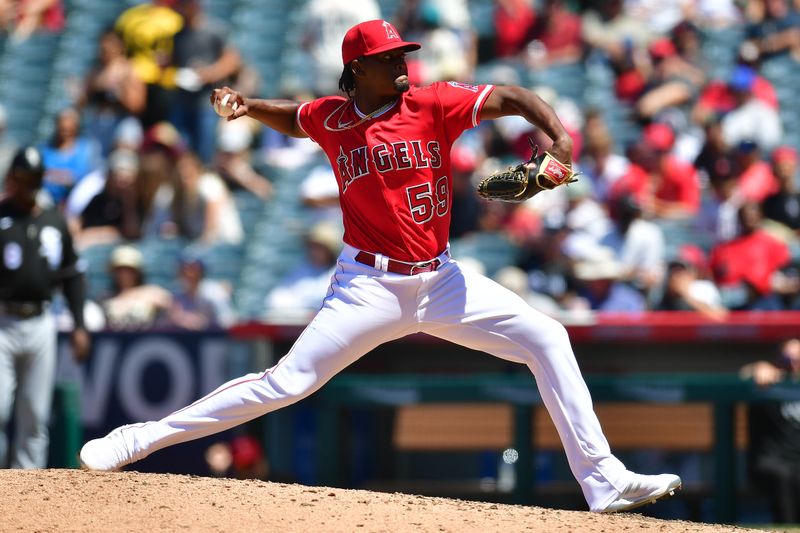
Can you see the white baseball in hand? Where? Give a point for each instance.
(223, 108)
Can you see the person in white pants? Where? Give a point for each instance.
(27, 367)
(38, 258)
(390, 144)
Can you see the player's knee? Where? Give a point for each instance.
(549, 335)
(558, 332)
(290, 387)
(545, 328)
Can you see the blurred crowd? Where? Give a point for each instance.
(692, 205)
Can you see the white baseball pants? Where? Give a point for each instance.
(366, 307)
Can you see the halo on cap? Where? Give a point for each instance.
(372, 37)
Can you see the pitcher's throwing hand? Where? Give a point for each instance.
(228, 103)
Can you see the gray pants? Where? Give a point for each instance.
(27, 371)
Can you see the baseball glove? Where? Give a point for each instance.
(521, 182)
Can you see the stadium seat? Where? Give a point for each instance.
(250, 208)
(222, 261)
(95, 261)
(25, 72)
(161, 257)
(720, 48)
(677, 232)
(567, 79)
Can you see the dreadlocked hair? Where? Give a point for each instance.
(347, 81)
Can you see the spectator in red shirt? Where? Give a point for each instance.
(512, 220)
(756, 181)
(635, 182)
(513, 20)
(666, 186)
(558, 31)
(466, 205)
(751, 261)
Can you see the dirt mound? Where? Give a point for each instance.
(74, 500)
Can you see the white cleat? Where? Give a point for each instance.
(106, 454)
(643, 490)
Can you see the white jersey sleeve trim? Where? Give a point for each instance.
(479, 104)
(299, 122)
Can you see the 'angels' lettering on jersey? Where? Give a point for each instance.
(385, 157)
(393, 169)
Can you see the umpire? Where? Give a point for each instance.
(36, 257)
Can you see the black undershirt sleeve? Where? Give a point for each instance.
(75, 293)
(72, 278)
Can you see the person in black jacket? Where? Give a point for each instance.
(774, 431)
(36, 257)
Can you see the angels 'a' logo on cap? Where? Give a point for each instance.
(391, 33)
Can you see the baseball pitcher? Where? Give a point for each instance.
(389, 145)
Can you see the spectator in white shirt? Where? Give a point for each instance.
(639, 244)
(752, 119)
(302, 291)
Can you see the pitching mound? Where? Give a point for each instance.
(74, 500)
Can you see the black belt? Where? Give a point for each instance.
(22, 309)
(398, 267)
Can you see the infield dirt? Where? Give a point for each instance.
(75, 500)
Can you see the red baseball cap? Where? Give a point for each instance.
(659, 136)
(245, 451)
(784, 153)
(372, 37)
(662, 48)
(692, 255)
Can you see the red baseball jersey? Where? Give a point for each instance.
(393, 168)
